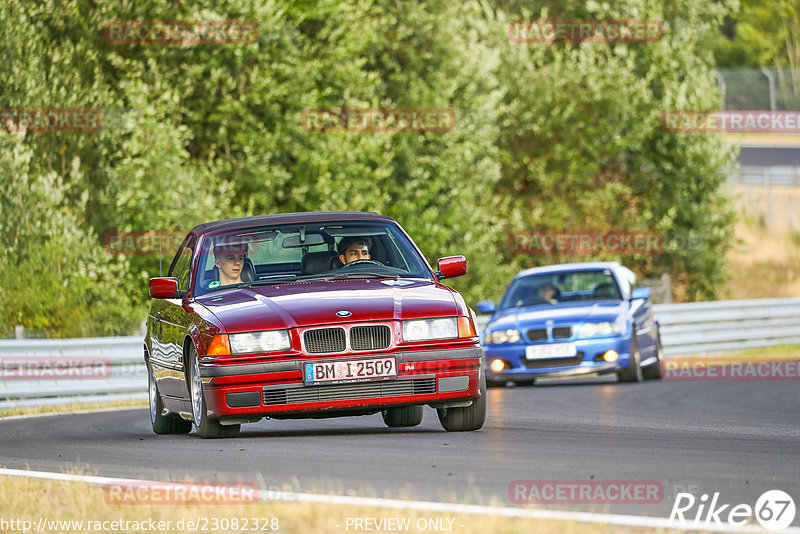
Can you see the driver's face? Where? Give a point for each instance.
(547, 291)
(355, 252)
(230, 267)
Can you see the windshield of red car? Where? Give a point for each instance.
(556, 288)
(283, 253)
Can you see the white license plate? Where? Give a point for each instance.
(553, 350)
(349, 371)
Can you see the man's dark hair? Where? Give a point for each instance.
(345, 243)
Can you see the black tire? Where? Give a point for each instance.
(529, 382)
(632, 373)
(495, 383)
(653, 371)
(206, 427)
(405, 416)
(468, 418)
(163, 424)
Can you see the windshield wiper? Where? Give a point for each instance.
(265, 281)
(343, 276)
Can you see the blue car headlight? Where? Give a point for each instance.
(503, 336)
(599, 329)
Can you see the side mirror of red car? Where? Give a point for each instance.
(451, 266)
(163, 288)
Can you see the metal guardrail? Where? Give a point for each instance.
(50, 371)
(766, 176)
(693, 328)
(728, 325)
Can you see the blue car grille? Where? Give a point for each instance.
(540, 334)
(537, 334)
(553, 362)
(562, 332)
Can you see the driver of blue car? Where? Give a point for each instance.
(548, 293)
(353, 249)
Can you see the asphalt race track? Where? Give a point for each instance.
(737, 438)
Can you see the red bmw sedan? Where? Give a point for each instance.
(309, 315)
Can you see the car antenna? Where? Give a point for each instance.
(159, 254)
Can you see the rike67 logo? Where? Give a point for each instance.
(774, 510)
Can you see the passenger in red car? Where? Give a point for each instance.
(229, 259)
(354, 249)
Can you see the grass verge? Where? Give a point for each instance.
(43, 504)
(71, 407)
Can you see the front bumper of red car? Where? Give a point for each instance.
(441, 376)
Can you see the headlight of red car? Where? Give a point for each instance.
(250, 342)
(264, 341)
(429, 329)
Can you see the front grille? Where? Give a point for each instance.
(370, 337)
(537, 334)
(553, 362)
(324, 340)
(362, 390)
(562, 332)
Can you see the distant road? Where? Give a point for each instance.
(738, 438)
(766, 156)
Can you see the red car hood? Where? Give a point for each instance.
(316, 302)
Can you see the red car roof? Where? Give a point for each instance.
(282, 218)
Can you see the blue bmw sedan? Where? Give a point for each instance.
(569, 320)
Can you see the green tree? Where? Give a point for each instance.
(583, 148)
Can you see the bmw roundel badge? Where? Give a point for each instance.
(344, 313)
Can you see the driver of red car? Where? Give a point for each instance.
(354, 249)
(229, 259)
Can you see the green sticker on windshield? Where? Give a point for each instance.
(213, 284)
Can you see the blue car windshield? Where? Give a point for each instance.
(288, 252)
(548, 289)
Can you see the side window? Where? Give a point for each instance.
(182, 265)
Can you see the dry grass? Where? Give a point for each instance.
(70, 407)
(780, 352)
(763, 139)
(766, 262)
(34, 500)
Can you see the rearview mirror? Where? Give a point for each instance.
(640, 293)
(486, 306)
(293, 241)
(451, 266)
(163, 287)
